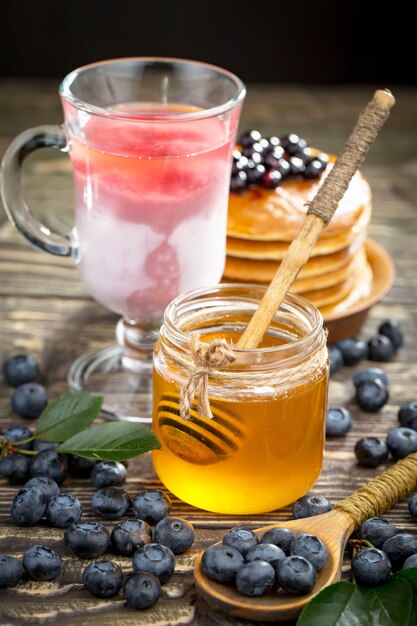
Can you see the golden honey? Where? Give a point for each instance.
(263, 449)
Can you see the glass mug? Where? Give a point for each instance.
(263, 448)
(150, 142)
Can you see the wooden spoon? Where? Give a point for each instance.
(333, 528)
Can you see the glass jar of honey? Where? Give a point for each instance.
(263, 448)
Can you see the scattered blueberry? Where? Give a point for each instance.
(151, 505)
(20, 369)
(401, 442)
(271, 179)
(370, 374)
(45, 484)
(338, 421)
(141, 590)
(297, 166)
(241, 539)
(29, 400)
(40, 446)
(280, 537)
(63, 509)
(311, 505)
(15, 468)
(353, 350)
(78, 467)
(42, 563)
(399, 548)
(372, 395)
(371, 567)
(380, 349)
(28, 506)
(103, 579)
(110, 502)
(49, 463)
(238, 182)
(336, 359)
(407, 414)
(153, 558)
(412, 506)
(410, 561)
(248, 138)
(19, 433)
(392, 330)
(108, 473)
(377, 530)
(175, 533)
(255, 578)
(371, 452)
(87, 539)
(129, 535)
(222, 563)
(296, 575)
(11, 570)
(314, 169)
(265, 552)
(311, 548)
(292, 143)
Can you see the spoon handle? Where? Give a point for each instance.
(382, 492)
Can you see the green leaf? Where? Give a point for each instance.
(67, 416)
(115, 441)
(391, 603)
(340, 604)
(410, 575)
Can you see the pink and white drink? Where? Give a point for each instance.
(150, 143)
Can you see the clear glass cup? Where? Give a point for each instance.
(150, 143)
(263, 448)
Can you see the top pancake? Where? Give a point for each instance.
(277, 215)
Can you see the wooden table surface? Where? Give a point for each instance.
(45, 310)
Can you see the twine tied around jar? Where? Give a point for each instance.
(207, 357)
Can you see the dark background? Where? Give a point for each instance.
(287, 41)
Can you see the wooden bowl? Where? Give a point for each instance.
(348, 323)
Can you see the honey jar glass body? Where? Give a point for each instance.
(263, 448)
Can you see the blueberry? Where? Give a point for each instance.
(258, 147)
(306, 155)
(407, 414)
(280, 537)
(239, 163)
(129, 535)
(271, 179)
(242, 539)
(249, 138)
(175, 533)
(369, 374)
(412, 506)
(336, 359)
(42, 563)
(103, 579)
(275, 153)
(296, 166)
(15, 468)
(48, 486)
(311, 548)
(20, 369)
(78, 467)
(87, 539)
(410, 561)
(141, 590)
(151, 505)
(63, 510)
(323, 158)
(238, 182)
(255, 578)
(377, 530)
(313, 169)
(338, 421)
(371, 567)
(49, 463)
(401, 442)
(28, 506)
(11, 570)
(371, 452)
(311, 505)
(280, 165)
(296, 575)
(392, 330)
(255, 172)
(108, 473)
(222, 563)
(110, 502)
(19, 433)
(399, 548)
(353, 350)
(380, 348)
(29, 400)
(40, 446)
(293, 143)
(156, 559)
(372, 395)
(265, 552)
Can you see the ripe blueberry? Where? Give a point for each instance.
(296, 575)
(399, 548)
(87, 539)
(255, 578)
(353, 350)
(371, 567)
(40, 446)
(15, 468)
(407, 414)
(28, 506)
(222, 563)
(42, 563)
(338, 421)
(108, 473)
(372, 395)
(103, 579)
(401, 442)
(19, 433)
(392, 330)
(310, 505)
(311, 548)
(369, 374)
(377, 530)
(410, 561)
(175, 533)
(280, 537)
(371, 452)
(336, 359)
(129, 535)
(78, 467)
(45, 484)
(20, 369)
(141, 590)
(380, 349)
(110, 502)
(63, 509)
(412, 506)
(49, 463)
(29, 400)
(151, 505)
(265, 552)
(11, 570)
(153, 558)
(242, 539)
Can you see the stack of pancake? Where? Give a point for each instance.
(262, 223)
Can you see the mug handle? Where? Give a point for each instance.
(15, 205)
